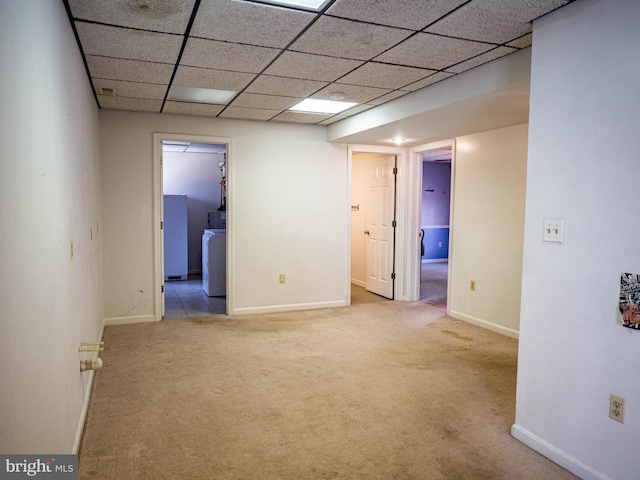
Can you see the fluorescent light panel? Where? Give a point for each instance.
(200, 95)
(313, 5)
(314, 105)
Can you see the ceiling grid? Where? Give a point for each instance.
(271, 57)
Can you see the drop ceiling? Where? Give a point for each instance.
(364, 51)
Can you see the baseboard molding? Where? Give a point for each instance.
(555, 455)
(434, 260)
(289, 308)
(509, 332)
(128, 320)
(85, 402)
(359, 283)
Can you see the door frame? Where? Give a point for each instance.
(402, 155)
(158, 237)
(414, 190)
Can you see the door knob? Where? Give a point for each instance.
(366, 232)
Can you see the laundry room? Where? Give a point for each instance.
(194, 201)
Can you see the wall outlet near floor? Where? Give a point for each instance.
(282, 278)
(472, 285)
(616, 408)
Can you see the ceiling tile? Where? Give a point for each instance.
(135, 104)
(131, 70)
(117, 42)
(427, 81)
(286, 87)
(298, 117)
(413, 14)
(480, 59)
(131, 89)
(388, 97)
(249, 113)
(198, 109)
(249, 23)
(432, 51)
(381, 75)
(226, 56)
(336, 37)
(312, 67)
(494, 21)
(352, 93)
(254, 100)
(349, 113)
(214, 79)
(155, 15)
(522, 42)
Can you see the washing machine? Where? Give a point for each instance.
(214, 262)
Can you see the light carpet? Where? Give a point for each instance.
(387, 390)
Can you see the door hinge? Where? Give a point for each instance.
(161, 225)
(161, 288)
(395, 170)
(393, 224)
(161, 159)
(393, 276)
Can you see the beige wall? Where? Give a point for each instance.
(288, 213)
(488, 228)
(49, 199)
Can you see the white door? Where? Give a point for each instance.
(380, 230)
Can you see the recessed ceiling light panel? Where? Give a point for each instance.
(200, 95)
(313, 5)
(314, 105)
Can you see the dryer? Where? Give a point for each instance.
(214, 262)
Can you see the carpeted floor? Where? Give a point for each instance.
(433, 283)
(385, 390)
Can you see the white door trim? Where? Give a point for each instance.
(158, 253)
(414, 186)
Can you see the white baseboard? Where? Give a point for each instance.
(555, 455)
(85, 402)
(494, 327)
(289, 308)
(359, 283)
(128, 320)
(434, 260)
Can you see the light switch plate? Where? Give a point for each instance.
(553, 230)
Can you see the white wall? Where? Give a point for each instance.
(49, 197)
(288, 212)
(583, 168)
(198, 176)
(487, 232)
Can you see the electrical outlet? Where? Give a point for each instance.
(616, 408)
(282, 278)
(472, 286)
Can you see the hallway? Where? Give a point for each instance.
(433, 283)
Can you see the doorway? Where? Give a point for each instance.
(373, 224)
(190, 171)
(431, 185)
(434, 227)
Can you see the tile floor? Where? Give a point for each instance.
(186, 298)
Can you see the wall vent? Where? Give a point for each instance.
(110, 92)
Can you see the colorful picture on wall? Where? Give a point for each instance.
(630, 300)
